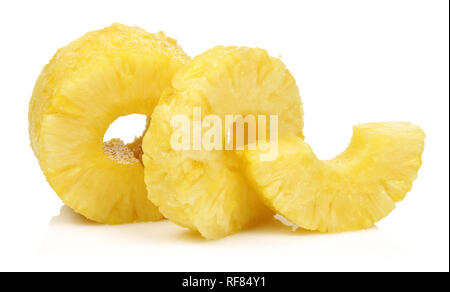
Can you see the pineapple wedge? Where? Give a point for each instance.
(350, 192)
(88, 84)
(206, 190)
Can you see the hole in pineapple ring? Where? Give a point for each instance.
(329, 140)
(123, 139)
(126, 128)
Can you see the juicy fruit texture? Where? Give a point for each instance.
(350, 192)
(88, 84)
(206, 190)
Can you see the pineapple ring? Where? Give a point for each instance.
(350, 192)
(88, 84)
(206, 190)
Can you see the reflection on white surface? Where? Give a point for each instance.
(69, 230)
(71, 233)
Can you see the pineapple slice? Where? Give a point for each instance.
(88, 84)
(350, 192)
(206, 190)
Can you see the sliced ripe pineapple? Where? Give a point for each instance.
(350, 192)
(88, 84)
(206, 190)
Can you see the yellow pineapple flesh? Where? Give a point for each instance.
(350, 192)
(206, 190)
(88, 84)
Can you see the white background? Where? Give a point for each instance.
(354, 61)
